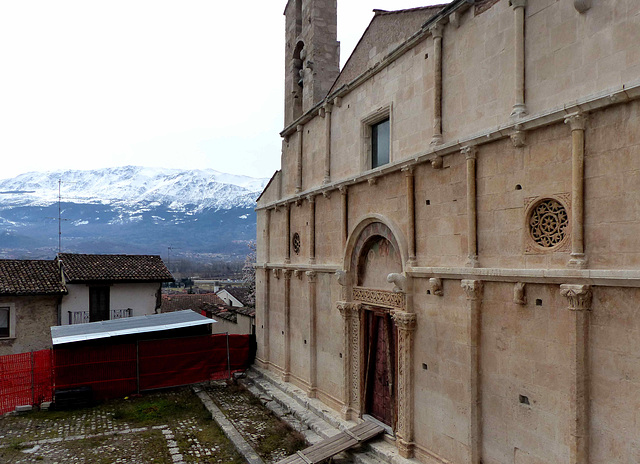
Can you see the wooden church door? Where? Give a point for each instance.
(380, 367)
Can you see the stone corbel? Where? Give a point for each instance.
(472, 289)
(399, 281)
(518, 136)
(519, 296)
(435, 286)
(326, 194)
(454, 19)
(338, 102)
(286, 273)
(372, 180)
(341, 277)
(321, 112)
(298, 201)
(311, 276)
(297, 274)
(277, 273)
(579, 296)
(582, 5)
(436, 163)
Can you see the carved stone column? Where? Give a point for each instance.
(472, 234)
(313, 353)
(580, 298)
(351, 357)
(406, 324)
(411, 216)
(267, 235)
(328, 107)
(287, 325)
(473, 291)
(265, 355)
(519, 107)
(436, 33)
(287, 228)
(299, 130)
(312, 229)
(345, 213)
(577, 123)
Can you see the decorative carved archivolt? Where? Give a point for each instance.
(519, 296)
(579, 296)
(379, 297)
(547, 224)
(435, 285)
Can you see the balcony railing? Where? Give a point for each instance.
(82, 317)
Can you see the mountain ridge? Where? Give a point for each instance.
(129, 209)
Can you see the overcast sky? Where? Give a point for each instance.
(179, 84)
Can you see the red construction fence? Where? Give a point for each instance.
(116, 370)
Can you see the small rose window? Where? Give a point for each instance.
(295, 241)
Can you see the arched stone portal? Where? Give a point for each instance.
(377, 330)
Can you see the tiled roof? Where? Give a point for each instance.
(30, 277)
(114, 268)
(196, 302)
(239, 293)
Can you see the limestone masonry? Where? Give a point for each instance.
(452, 244)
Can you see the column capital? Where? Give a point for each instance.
(404, 320)
(469, 152)
(408, 170)
(328, 107)
(517, 3)
(299, 128)
(577, 121)
(311, 198)
(286, 273)
(472, 289)
(277, 272)
(436, 30)
(343, 189)
(348, 308)
(311, 276)
(579, 296)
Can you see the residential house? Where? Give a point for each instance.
(235, 296)
(30, 296)
(104, 287)
(452, 242)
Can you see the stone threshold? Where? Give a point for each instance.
(314, 419)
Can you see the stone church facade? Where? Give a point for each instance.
(452, 244)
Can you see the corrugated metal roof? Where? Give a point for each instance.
(127, 326)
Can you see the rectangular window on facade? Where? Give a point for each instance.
(98, 304)
(380, 143)
(5, 322)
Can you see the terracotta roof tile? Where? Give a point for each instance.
(196, 302)
(119, 268)
(30, 277)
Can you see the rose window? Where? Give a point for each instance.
(548, 223)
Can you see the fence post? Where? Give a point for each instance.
(138, 367)
(228, 357)
(33, 379)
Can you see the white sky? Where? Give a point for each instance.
(179, 84)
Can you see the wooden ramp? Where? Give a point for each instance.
(331, 446)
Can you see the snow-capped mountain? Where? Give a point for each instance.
(128, 209)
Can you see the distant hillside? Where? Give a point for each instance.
(200, 213)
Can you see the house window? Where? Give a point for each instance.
(98, 304)
(5, 322)
(380, 143)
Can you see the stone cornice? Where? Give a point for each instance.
(526, 123)
(600, 277)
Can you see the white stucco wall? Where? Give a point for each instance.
(140, 297)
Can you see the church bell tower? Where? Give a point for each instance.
(312, 54)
